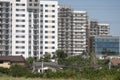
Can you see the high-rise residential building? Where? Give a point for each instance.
(65, 29)
(79, 32)
(28, 27)
(96, 28)
(72, 30)
(103, 29)
(5, 27)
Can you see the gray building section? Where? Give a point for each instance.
(65, 29)
(34, 34)
(5, 28)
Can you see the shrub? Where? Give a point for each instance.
(18, 71)
(4, 70)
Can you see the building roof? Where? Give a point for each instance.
(49, 64)
(12, 58)
(115, 61)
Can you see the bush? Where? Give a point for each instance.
(4, 70)
(18, 71)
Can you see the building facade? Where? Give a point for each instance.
(98, 29)
(79, 32)
(65, 29)
(106, 45)
(28, 27)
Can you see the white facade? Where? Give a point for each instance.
(24, 31)
(20, 28)
(79, 32)
(49, 26)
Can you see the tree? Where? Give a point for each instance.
(30, 61)
(47, 57)
(93, 59)
(61, 54)
(18, 71)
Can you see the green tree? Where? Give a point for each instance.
(29, 61)
(18, 71)
(61, 56)
(47, 57)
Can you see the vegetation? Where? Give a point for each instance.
(75, 68)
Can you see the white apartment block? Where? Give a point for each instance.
(79, 32)
(96, 28)
(28, 27)
(48, 26)
(104, 29)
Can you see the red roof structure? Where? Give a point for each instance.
(12, 58)
(115, 61)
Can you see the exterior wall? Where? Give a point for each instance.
(48, 26)
(79, 32)
(5, 64)
(108, 43)
(65, 29)
(5, 27)
(19, 28)
(103, 29)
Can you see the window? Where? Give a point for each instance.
(46, 31)
(46, 21)
(17, 52)
(53, 10)
(46, 10)
(17, 0)
(53, 42)
(36, 0)
(20, 36)
(41, 47)
(41, 36)
(53, 47)
(41, 5)
(46, 47)
(53, 26)
(53, 16)
(53, 5)
(30, 4)
(41, 20)
(46, 36)
(46, 42)
(53, 21)
(35, 4)
(46, 26)
(46, 15)
(53, 37)
(20, 41)
(41, 41)
(20, 9)
(30, 0)
(41, 15)
(20, 31)
(53, 31)
(46, 5)
(41, 26)
(20, 25)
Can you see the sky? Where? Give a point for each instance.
(105, 11)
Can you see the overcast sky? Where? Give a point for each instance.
(105, 11)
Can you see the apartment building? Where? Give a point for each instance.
(103, 29)
(48, 26)
(72, 30)
(79, 32)
(65, 29)
(5, 27)
(30, 27)
(96, 28)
